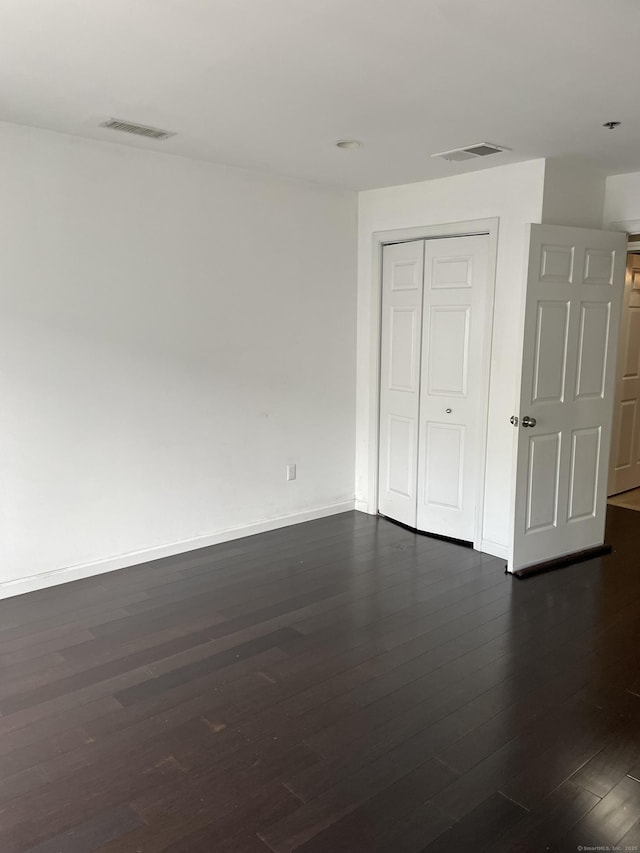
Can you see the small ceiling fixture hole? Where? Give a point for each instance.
(348, 144)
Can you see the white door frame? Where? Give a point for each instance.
(473, 227)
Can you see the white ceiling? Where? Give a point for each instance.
(271, 84)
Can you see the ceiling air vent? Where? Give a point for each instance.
(471, 152)
(137, 129)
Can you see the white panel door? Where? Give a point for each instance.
(402, 284)
(455, 333)
(574, 291)
(624, 472)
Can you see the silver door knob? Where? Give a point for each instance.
(528, 422)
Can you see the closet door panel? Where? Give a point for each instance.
(451, 385)
(402, 288)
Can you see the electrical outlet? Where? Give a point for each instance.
(291, 472)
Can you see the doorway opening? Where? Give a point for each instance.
(624, 470)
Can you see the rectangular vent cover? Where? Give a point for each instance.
(471, 152)
(137, 129)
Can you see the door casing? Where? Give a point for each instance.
(474, 227)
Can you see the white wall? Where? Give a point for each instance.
(173, 333)
(573, 193)
(622, 200)
(515, 195)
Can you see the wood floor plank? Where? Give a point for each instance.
(31, 820)
(340, 686)
(190, 671)
(555, 816)
(610, 820)
(384, 815)
(92, 833)
(630, 842)
(201, 826)
(340, 800)
(417, 831)
(481, 828)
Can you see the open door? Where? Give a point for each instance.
(575, 283)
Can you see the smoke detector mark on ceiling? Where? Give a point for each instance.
(136, 129)
(471, 152)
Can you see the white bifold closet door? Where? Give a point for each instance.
(402, 282)
(432, 395)
(452, 397)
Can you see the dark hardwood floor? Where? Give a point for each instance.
(341, 685)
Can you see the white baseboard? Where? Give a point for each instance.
(494, 548)
(122, 561)
(363, 506)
